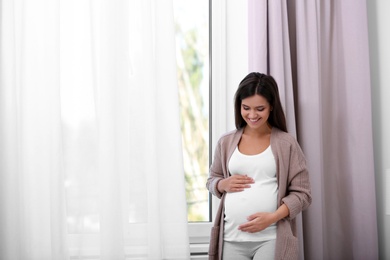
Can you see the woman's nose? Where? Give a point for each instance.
(252, 113)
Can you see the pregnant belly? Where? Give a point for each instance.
(258, 198)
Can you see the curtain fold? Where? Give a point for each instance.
(90, 160)
(30, 153)
(326, 54)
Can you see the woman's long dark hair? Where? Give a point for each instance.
(265, 86)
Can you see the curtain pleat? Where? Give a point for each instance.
(30, 140)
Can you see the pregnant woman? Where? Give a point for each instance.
(259, 173)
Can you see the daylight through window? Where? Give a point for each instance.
(192, 45)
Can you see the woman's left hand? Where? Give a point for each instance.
(258, 222)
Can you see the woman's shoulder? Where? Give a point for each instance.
(280, 136)
(230, 136)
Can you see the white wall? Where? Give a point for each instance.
(230, 59)
(378, 17)
(237, 47)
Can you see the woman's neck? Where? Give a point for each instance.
(266, 130)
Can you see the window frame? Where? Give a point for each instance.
(199, 232)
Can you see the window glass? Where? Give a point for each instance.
(192, 43)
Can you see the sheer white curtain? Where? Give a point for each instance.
(90, 152)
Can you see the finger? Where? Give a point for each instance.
(251, 217)
(249, 229)
(246, 180)
(242, 186)
(237, 189)
(243, 182)
(242, 177)
(242, 227)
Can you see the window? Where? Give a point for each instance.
(192, 43)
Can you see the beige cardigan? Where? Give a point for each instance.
(293, 182)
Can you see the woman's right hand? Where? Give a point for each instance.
(235, 183)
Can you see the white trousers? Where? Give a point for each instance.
(264, 250)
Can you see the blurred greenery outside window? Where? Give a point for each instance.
(192, 54)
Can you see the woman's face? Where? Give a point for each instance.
(255, 111)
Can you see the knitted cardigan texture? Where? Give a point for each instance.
(293, 183)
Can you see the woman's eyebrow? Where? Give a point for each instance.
(261, 106)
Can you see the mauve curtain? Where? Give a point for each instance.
(318, 53)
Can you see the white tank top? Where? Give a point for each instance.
(260, 197)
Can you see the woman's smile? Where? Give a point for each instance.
(253, 120)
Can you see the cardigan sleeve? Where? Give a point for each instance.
(298, 197)
(216, 172)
